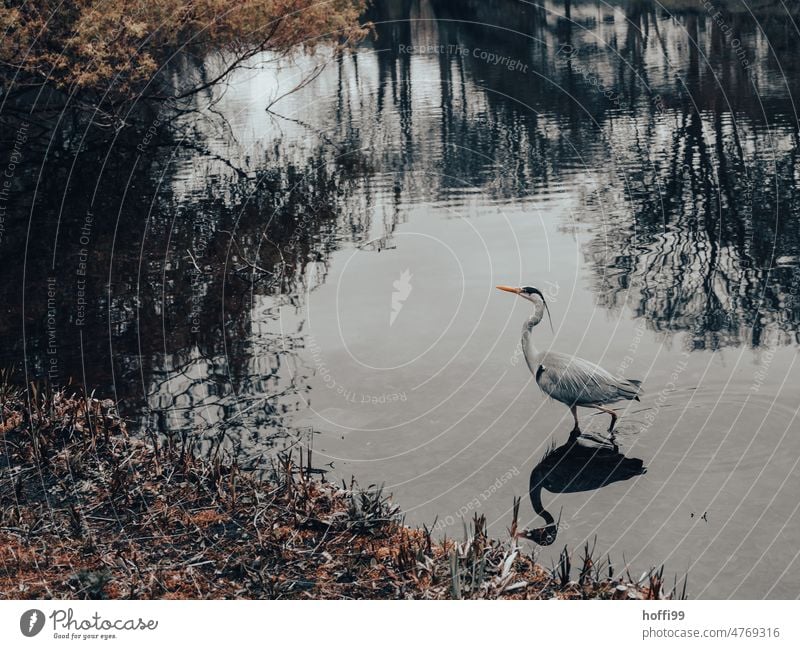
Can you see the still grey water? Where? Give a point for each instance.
(323, 271)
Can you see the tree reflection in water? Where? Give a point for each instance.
(687, 186)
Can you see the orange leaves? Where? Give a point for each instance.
(114, 48)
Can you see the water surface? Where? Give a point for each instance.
(328, 267)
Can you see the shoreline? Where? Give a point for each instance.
(90, 511)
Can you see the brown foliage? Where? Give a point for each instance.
(110, 50)
(87, 511)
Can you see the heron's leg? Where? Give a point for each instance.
(613, 417)
(576, 429)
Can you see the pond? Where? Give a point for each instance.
(318, 267)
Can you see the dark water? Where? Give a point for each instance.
(329, 267)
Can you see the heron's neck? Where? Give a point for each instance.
(532, 355)
(535, 493)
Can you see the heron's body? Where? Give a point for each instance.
(569, 379)
(575, 381)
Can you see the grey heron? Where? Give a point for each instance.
(566, 378)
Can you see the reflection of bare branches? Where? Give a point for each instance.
(317, 132)
(191, 143)
(709, 272)
(240, 57)
(252, 265)
(306, 80)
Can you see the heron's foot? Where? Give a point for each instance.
(612, 424)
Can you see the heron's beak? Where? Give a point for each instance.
(509, 289)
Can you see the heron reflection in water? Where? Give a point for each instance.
(572, 468)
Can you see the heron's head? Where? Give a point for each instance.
(533, 295)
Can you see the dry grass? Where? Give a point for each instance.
(89, 511)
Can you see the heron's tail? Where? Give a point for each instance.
(632, 390)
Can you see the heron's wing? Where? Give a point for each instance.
(574, 380)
